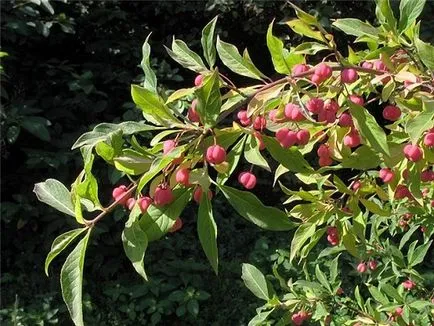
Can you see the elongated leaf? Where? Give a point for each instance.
(419, 254)
(300, 27)
(251, 208)
(409, 11)
(55, 194)
(407, 236)
(180, 93)
(258, 102)
(356, 27)
(71, 280)
(377, 295)
(135, 242)
(320, 276)
(416, 126)
(187, 58)
(260, 317)
(385, 14)
(105, 131)
(59, 244)
(369, 128)
(151, 104)
(158, 220)
(283, 60)
(232, 59)
(150, 82)
(253, 154)
(207, 231)
(303, 233)
(363, 158)
(209, 100)
(290, 158)
(256, 282)
(208, 42)
(425, 51)
(233, 158)
(310, 48)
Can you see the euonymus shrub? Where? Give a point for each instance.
(368, 112)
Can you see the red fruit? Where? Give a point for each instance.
(286, 137)
(323, 70)
(215, 154)
(325, 161)
(323, 151)
(120, 194)
(401, 192)
(192, 114)
(356, 185)
(198, 80)
(379, 65)
(427, 176)
(408, 284)
(367, 65)
(345, 120)
(331, 230)
(425, 192)
(297, 319)
(259, 139)
(331, 105)
(163, 195)
(260, 123)
(386, 175)
(361, 267)
(372, 265)
(399, 311)
(182, 176)
(432, 203)
(391, 112)
(405, 174)
(144, 203)
(357, 100)
(334, 241)
(244, 119)
(349, 75)
(428, 140)
(299, 69)
(423, 229)
(327, 116)
(352, 140)
(413, 152)
(340, 291)
(130, 203)
(293, 113)
(247, 179)
(168, 146)
(197, 195)
(303, 136)
(177, 226)
(315, 105)
(317, 79)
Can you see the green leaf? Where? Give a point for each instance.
(374, 208)
(259, 318)
(349, 240)
(55, 194)
(304, 16)
(369, 128)
(310, 48)
(104, 131)
(88, 188)
(283, 60)
(180, 93)
(251, 208)
(391, 292)
(253, 155)
(256, 282)
(208, 42)
(359, 298)
(425, 51)
(71, 280)
(187, 58)
(59, 244)
(233, 158)
(300, 27)
(388, 90)
(377, 295)
(320, 276)
(209, 100)
(150, 81)
(158, 220)
(409, 11)
(417, 125)
(207, 230)
(407, 236)
(232, 59)
(385, 14)
(132, 163)
(37, 126)
(363, 158)
(151, 104)
(303, 233)
(135, 242)
(419, 254)
(356, 27)
(290, 158)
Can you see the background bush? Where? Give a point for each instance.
(69, 66)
